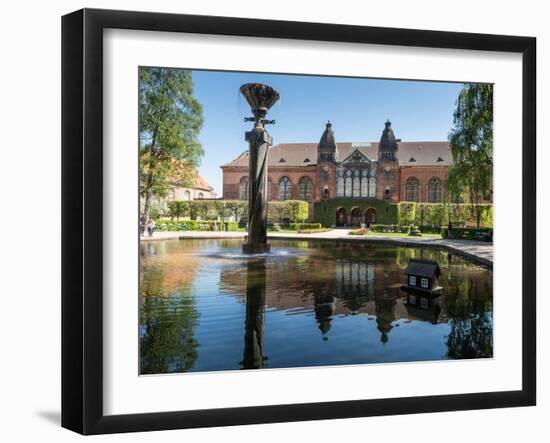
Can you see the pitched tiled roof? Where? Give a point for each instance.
(182, 172)
(436, 153)
(201, 183)
(423, 268)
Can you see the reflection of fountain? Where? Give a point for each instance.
(254, 321)
(260, 98)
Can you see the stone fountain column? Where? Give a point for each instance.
(260, 98)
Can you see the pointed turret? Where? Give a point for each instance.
(387, 149)
(327, 149)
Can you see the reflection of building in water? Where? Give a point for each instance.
(388, 307)
(425, 307)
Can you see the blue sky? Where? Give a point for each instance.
(358, 108)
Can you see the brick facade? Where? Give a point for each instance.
(394, 161)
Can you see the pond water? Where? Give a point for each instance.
(206, 307)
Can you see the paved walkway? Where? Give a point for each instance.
(479, 252)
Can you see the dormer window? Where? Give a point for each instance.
(439, 159)
(282, 160)
(412, 160)
(307, 160)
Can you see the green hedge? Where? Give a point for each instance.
(324, 212)
(430, 229)
(193, 225)
(465, 233)
(299, 226)
(390, 229)
(294, 211)
(426, 214)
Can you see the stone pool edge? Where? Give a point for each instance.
(477, 252)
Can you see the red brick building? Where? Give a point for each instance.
(362, 174)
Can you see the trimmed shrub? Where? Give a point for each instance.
(391, 229)
(194, 225)
(294, 211)
(324, 211)
(313, 231)
(465, 233)
(430, 229)
(359, 232)
(300, 226)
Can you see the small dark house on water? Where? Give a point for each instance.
(422, 276)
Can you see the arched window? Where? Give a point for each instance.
(201, 195)
(411, 189)
(243, 188)
(285, 188)
(340, 187)
(372, 187)
(364, 186)
(347, 187)
(305, 186)
(356, 186)
(269, 186)
(187, 195)
(171, 194)
(434, 190)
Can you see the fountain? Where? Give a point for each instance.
(260, 98)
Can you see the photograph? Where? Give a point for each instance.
(289, 220)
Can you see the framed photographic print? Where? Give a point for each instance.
(269, 221)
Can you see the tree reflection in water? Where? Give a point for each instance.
(168, 315)
(470, 312)
(205, 308)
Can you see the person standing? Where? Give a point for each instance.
(151, 227)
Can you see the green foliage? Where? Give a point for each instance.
(439, 214)
(325, 211)
(170, 119)
(407, 212)
(313, 230)
(430, 229)
(302, 226)
(359, 232)
(291, 210)
(390, 229)
(465, 233)
(237, 208)
(195, 225)
(178, 208)
(471, 140)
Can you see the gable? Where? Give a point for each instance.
(357, 156)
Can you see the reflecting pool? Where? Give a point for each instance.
(206, 307)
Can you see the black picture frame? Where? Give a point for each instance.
(82, 218)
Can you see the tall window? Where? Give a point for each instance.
(340, 187)
(201, 195)
(364, 186)
(372, 187)
(243, 188)
(269, 186)
(411, 189)
(285, 188)
(347, 187)
(187, 195)
(356, 186)
(305, 188)
(434, 190)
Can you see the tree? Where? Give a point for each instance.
(471, 142)
(170, 119)
(238, 208)
(222, 210)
